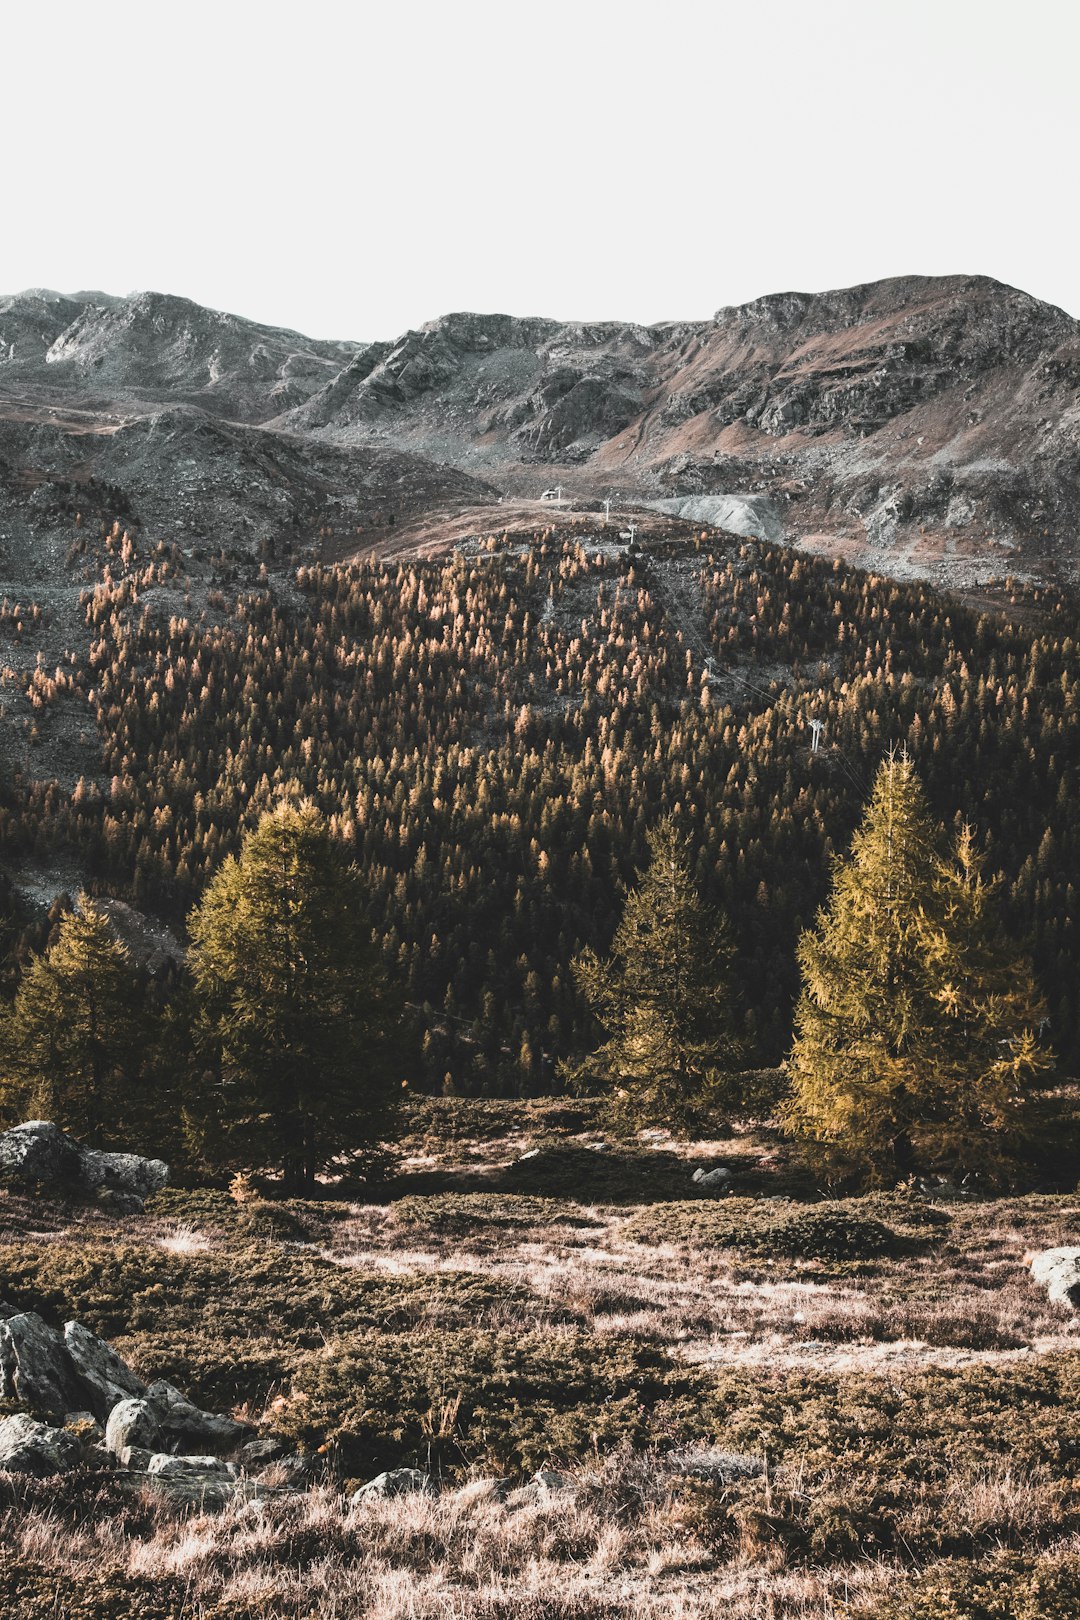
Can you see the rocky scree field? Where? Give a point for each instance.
(545, 1374)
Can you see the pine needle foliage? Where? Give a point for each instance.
(915, 1032)
(293, 1007)
(663, 997)
(71, 1039)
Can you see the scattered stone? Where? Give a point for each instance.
(718, 1180)
(133, 1423)
(395, 1482)
(180, 1421)
(259, 1453)
(1058, 1271)
(163, 1462)
(35, 1370)
(29, 1447)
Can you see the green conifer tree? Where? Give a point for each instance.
(914, 1044)
(71, 1040)
(294, 1010)
(664, 999)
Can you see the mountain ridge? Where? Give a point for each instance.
(924, 426)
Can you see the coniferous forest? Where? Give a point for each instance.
(492, 736)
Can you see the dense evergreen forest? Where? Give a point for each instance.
(495, 732)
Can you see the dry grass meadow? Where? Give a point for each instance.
(774, 1405)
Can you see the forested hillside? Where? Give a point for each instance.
(495, 732)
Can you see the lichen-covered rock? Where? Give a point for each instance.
(38, 1151)
(35, 1369)
(122, 1172)
(30, 1447)
(163, 1462)
(41, 1152)
(104, 1377)
(1058, 1271)
(395, 1482)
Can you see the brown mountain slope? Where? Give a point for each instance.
(922, 424)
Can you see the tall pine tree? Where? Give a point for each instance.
(294, 1010)
(663, 997)
(914, 1032)
(72, 1040)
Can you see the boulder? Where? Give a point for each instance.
(541, 1489)
(718, 1180)
(261, 1452)
(182, 1423)
(38, 1151)
(1058, 1271)
(395, 1482)
(122, 1172)
(29, 1447)
(35, 1370)
(104, 1377)
(132, 1425)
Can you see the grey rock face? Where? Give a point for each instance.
(35, 1369)
(105, 1378)
(37, 1151)
(133, 1424)
(29, 1447)
(1058, 1271)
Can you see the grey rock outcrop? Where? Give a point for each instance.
(183, 1423)
(35, 1369)
(30, 1447)
(40, 1152)
(122, 1172)
(1058, 1271)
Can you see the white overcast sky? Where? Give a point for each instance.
(352, 169)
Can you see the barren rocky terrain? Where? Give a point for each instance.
(927, 427)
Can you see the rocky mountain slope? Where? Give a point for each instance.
(926, 426)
